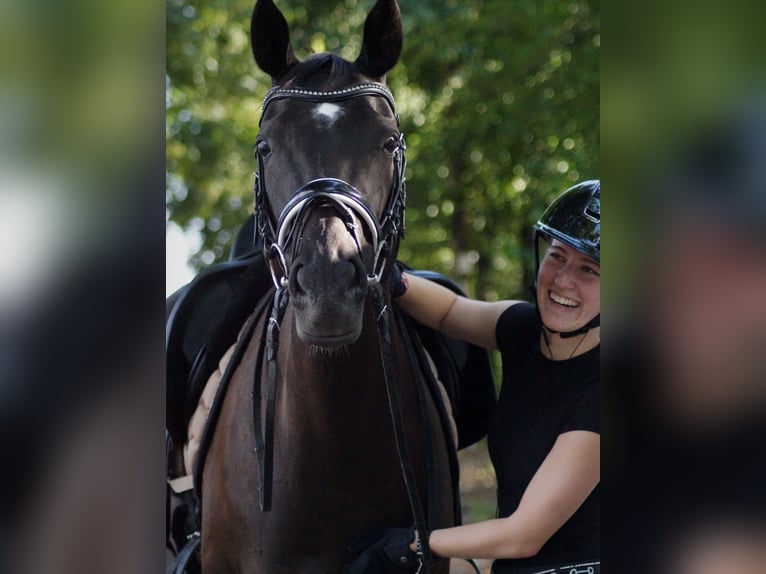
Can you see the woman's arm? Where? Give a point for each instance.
(440, 308)
(562, 483)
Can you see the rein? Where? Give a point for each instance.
(394, 407)
(385, 240)
(264, 445)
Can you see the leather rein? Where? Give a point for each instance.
(386, 234)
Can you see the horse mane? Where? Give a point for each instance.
(324, 72)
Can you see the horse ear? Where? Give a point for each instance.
(382, 42)
(270, 38)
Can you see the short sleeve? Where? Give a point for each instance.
(586, 411)
(517, 330)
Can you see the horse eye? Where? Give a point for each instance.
(392, 144)
(262, 148)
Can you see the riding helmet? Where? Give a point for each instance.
(574, 218)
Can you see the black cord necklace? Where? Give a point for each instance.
(550, 351)
(554, 363)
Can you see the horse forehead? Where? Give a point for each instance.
(327, 113)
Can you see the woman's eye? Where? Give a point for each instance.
(392, 144)
(262, 148)
(591, 271)
(556, 256)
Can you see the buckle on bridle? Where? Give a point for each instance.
(378, 264)
(277, 265)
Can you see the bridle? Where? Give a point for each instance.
(386, 234)
(344, 198)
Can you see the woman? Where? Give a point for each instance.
(544, 436)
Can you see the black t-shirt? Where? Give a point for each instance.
(541, 399)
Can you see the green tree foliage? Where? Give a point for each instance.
(499, 104)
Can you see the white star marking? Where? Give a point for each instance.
(327, 114)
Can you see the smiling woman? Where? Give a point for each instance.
(569, 272)
(568, 293)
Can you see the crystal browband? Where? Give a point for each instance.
(364, 89)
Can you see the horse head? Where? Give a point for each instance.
(329, 191)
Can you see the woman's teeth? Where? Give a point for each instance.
(563, 300)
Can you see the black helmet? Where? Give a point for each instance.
(574, 218)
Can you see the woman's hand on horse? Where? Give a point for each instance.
(385, 551)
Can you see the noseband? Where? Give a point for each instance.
(344, 198)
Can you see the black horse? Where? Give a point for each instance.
(314, 388)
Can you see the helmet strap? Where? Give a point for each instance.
(592, 324)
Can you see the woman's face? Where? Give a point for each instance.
(568, 288)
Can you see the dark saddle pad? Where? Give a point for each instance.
(464, 369)
(204, 318)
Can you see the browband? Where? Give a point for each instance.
(364, 89)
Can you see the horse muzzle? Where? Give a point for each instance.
(327, 286)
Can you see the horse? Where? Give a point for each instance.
(322, 431)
